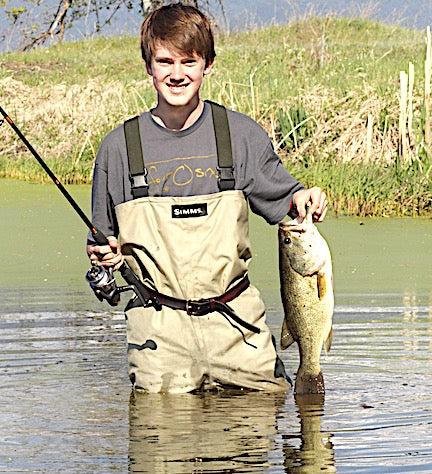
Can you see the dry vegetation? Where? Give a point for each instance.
(80, 114)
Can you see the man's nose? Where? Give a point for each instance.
(177, 72)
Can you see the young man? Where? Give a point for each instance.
(181, 215)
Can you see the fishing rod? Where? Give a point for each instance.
(100, 279)
(98, 236)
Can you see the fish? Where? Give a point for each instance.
(307, 292)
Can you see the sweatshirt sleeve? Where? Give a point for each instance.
(259, 171)
(103, 215)
(273, 187)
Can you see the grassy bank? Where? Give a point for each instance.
(326, 90)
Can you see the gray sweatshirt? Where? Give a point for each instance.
(184, 163)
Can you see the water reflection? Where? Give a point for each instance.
(72, 367)
(312, 450)
(229, 431)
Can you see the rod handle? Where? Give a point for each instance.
(99, 237)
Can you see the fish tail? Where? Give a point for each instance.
(309, 383)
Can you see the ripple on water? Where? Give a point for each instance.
(65, 402)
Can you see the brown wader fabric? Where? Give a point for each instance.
(192, 248)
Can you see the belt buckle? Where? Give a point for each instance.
(198, 307)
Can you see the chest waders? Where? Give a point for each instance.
(206, 326)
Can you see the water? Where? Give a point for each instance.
(65, 399)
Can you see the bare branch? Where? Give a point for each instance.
(56, 28)
(53, 20)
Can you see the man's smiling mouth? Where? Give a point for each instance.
(177, 86)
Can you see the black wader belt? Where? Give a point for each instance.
(138, 171)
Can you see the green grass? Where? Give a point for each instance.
(311, 84)
(371, 190)
(75, 62)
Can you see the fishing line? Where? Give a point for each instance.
(98, 236)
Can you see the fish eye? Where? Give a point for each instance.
(287, 240)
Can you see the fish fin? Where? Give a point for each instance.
(322, 286)
(328, 341)
(286, 336)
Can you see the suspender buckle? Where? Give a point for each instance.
(139, 180)
(139, 185)
(226, 178)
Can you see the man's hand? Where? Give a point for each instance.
(106, 255)
(315, 199)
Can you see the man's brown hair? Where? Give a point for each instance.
(182, 27)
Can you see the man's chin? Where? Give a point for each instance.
(180, 101)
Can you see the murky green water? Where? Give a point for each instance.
(65, 400)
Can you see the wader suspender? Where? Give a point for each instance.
(138, 171)
(223, 146)
(138, 178)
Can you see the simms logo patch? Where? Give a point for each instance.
(190, 210)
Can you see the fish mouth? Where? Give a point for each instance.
(293, 226)
(292, 229)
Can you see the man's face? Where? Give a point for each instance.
(177, 76)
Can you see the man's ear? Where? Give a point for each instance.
(208, 69)
(148, 69)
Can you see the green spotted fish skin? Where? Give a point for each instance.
(306, 280)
